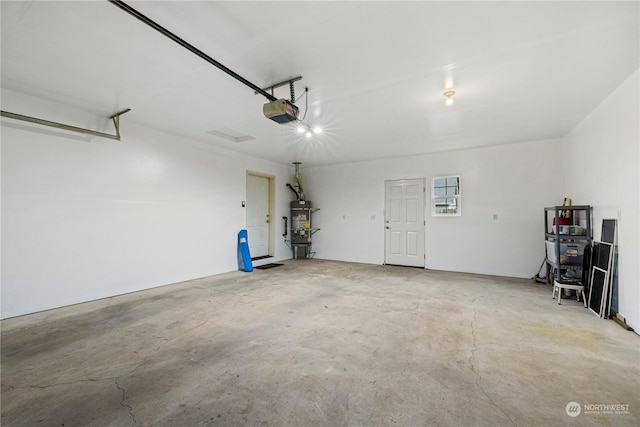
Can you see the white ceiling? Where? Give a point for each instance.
(376, 71)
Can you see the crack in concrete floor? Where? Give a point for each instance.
(124, 397)
(478, 381)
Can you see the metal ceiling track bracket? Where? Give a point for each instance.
(115, 118)
(283, 83)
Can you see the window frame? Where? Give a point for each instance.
(456, 196)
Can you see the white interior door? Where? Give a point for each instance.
(404, 222)
(258, 215)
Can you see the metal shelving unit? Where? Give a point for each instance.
(567, 231)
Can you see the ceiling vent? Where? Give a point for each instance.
(231, 135)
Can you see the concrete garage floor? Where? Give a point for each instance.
(322, 343)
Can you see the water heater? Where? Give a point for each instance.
(301, 228)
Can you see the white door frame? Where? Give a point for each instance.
(417, 226)
(272, 192)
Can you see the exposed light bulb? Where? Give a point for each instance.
(301, 129)
(317, 129)
(308, 134)
(449, 95)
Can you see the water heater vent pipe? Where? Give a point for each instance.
(297, 165)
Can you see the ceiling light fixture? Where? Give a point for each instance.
(303, 127)
(449, 95)
(308, 130)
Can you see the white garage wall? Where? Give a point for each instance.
(85, 220)
(514, 182)
(605, 172)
